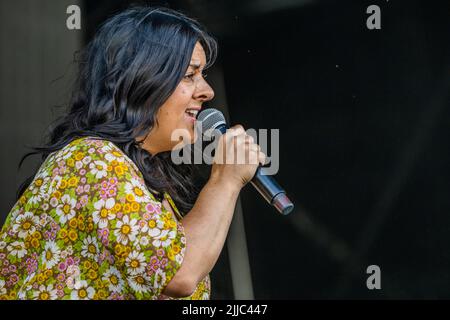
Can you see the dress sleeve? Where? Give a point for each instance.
(146, 241)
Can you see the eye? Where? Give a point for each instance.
(189, 76)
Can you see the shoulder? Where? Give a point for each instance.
(95, 172)
(89, 160)
(92, 151)
(93, 146)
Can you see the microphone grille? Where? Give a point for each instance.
(211, 119)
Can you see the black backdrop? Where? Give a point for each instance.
(364, 122)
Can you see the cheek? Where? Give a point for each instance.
(183, 92)
(181, 101)
(171, 112)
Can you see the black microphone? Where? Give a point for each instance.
(213, 119)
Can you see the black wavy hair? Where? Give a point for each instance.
(130, 68)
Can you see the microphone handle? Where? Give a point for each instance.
(271, 191)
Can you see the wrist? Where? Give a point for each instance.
(226, 183)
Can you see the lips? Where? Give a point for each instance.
(192, 112)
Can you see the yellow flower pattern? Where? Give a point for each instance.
(87, 227)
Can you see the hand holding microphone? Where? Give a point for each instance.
(234, 142)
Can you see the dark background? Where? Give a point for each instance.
(364, 121)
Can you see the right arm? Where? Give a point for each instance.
(206, 225)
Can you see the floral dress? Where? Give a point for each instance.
(87, 227)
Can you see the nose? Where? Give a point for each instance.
(203, 92)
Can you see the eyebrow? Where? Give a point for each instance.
(194, 65)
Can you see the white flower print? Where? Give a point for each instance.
(87, 159)
(70, 281)
(17, 248)
(114, 278)
(139, 283)
(107, 147)
(54, 202)
(164, 239)
(35, 198)
(66, 252)
(15, 213)
(160, 279)
(103, 212)
(51, 254)
(135, 263)
(136, 189)
(67, 153)
(144, 241)
(90, 249)
(38, 192)
(65, 210)
(44, 218)
(153, 227)
(22, 295)
(98, 169)
(126, 230)
(2, 287)
(42, 174)
(69, 250)
(25, 224)
(73, 271)
(113, 156)
(45, 293)
(78, 165)
(82, 291)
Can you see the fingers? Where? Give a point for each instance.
(238, 129)
(256, 156)
(249, 139)
(230, 137)
(262, 158)
(240, 147)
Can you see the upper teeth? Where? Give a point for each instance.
(192, 112)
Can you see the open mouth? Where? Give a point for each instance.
(192, 113)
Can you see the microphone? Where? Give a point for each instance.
(213, 119)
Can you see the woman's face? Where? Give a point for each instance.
(180, 109)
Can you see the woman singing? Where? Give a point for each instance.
(108, 215)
